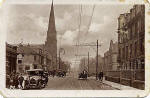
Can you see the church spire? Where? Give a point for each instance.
(51, 27)
(51, 40)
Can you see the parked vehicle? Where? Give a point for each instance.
(61, 73)
(35, 79)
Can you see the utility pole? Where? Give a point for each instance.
(88, 62)
(60, 50)
(52, 63)
(97, 62)
(59, 60)
(56, 62)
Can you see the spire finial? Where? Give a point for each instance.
(52, 2)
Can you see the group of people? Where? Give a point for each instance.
(14, 81)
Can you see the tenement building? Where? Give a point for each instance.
(131, 31)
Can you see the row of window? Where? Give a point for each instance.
(132, 50)
(132, 32)
(41, 59)
(137, 64)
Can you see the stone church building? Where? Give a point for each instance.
(43, 55)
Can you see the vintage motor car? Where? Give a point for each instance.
(35, 79)
(61, 73)
(83, 75)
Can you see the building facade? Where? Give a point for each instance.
(11, 57)
(131, 32)
(110, 57)
(30, 58)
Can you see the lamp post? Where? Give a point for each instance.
(60, 50)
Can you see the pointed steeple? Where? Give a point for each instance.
(51, 27)
(51, 40)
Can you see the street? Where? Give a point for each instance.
(72, 83)
(87, 43)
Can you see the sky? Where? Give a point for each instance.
(29, 23)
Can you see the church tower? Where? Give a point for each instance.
(51, 40)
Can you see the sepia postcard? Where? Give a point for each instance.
(75, 48)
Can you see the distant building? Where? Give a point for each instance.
(110, 57)
(65, 66)
(92, 65)
(11, 57)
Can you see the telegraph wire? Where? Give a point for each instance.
(86, 33)
(88, 27)
(79, 26)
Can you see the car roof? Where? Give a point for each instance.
(35, 70)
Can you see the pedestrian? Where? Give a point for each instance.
(21, 79)
(53, 73)
(99, 76)
(26, 83)
(7, 81)
(46, 78)
(12, 83)
(16, 82)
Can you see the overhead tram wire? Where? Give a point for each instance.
(86, 33)
(80, 16)
(77, 42)
(80, 22)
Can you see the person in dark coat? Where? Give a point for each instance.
(26, 83)
(54, 72)
(13, 81)
(99, 76)
(46, 78)
(16, 81)
(21, 79)
(7, 81)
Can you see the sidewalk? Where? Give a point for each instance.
(116, 85)
(119, 86)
